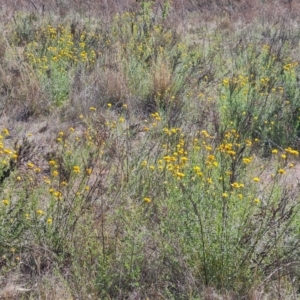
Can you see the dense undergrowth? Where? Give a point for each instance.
(143, 157)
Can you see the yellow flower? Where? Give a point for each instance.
(274, 151)
(39, 212)
(248, 143)
(52, 162)
(147, 200)
(57, 194)
(281, 171)
(47, 180)
(211, 157)
(76, 169)
(5, 131)
(168, 158)
(237, 185)
(196, 169)
(247, 160)
(256, 200)
(170, 167)
(92, 108)
(226, 82)
(225, 195)
(240, 196)
(89, 171)
(179, 175)
(184, 159)
(30, 165)
(55, 173)
(7, 151)
(167, 131)
(209, 180)
(256, 179)
(109, 105)
(5, 202)
(49, 221)
(231, 152)
(291, 151)
(205, 133)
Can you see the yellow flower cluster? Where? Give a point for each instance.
(239, 81)
(62, 48)
(177, 160)
(291, 151)
(171, 130)
(290, 66)
(6, 154)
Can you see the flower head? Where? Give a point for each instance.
(147, 200)
(256, 179)
(39, 212)
(247, 160)
(76, 169)
(256, 200)
(5, 202)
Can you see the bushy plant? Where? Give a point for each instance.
(168, 170)
(261, 101)
(54, 53)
